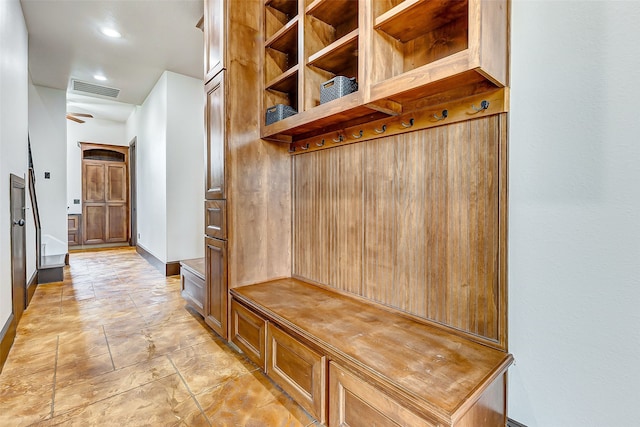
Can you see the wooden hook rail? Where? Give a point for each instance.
(494, 102)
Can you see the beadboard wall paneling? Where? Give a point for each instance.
(410, 221)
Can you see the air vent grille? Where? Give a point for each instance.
(79, 86)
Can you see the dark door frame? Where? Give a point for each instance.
(18, 249)
(133, 196)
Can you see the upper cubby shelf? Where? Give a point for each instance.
(415, 18)
(338, 56)
(287, 7)
(334, 12)
(285, 82)
(285, 39)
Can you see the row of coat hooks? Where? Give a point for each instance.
(399, 127)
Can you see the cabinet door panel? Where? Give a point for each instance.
(214, 31)
(193, 289)
(116, 183)
(117, 223)
(216, 285)
(94, 182)
(298, 369)
(95, 220)
(355, 403)
(215, 138)
(248, 332)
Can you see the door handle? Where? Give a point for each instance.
(19, 222)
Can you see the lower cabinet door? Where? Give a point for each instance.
(216, 285)
(356, 403)
(193, 289)
(248, 332)
(299, 370)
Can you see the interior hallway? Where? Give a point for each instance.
(114, 344)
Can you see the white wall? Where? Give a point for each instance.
(574, 255)
(169, 127)
(48, 133)
(151, 152)
(92, 130)
(13, 132)
(185, 168)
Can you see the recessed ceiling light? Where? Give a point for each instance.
(100, 77)
(110, 32)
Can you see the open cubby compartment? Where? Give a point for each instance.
(285, 93)
(327, 21)
(277, 13)
(412, 33)
(281, 52)
(331, 49)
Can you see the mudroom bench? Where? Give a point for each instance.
(350, 362)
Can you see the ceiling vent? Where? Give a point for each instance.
(84, 87)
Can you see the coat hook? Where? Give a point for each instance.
(320, 144)
(383, 130)
(340, 138)
(408, 125)
(304, 147)
(359, 135)
(292, 149)
(483, 106)
(445, 114)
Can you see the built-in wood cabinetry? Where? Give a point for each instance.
(216, 285)
(214, 37)
(74, 229)
(216, 147)
(248, 181)
(192, 272)
(400, 52)
(298, 369)
(378, 365)
(365, 249)
(248, 332)
(105, 194)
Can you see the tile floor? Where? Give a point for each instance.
(114, 344)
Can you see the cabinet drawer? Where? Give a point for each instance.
(355, 403)
(215, 216)
(193, 289)
(248, 332)
(299, 370)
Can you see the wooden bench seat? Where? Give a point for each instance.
(444, 378)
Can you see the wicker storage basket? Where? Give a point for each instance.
(278, 112)
(337, 87)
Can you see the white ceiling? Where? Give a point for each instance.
(65, 42)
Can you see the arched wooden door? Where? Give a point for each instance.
(105, 194)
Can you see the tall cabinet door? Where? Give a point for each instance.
(214, 37)
(215, 138)
(216, 288)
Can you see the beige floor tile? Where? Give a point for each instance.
(219, 363)
(26, 399)
(164, 402)
(24, 363)
(249, 400)
(33, 344)
(81, 345)
(83, 369)
(129, 352)
(73, 393)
